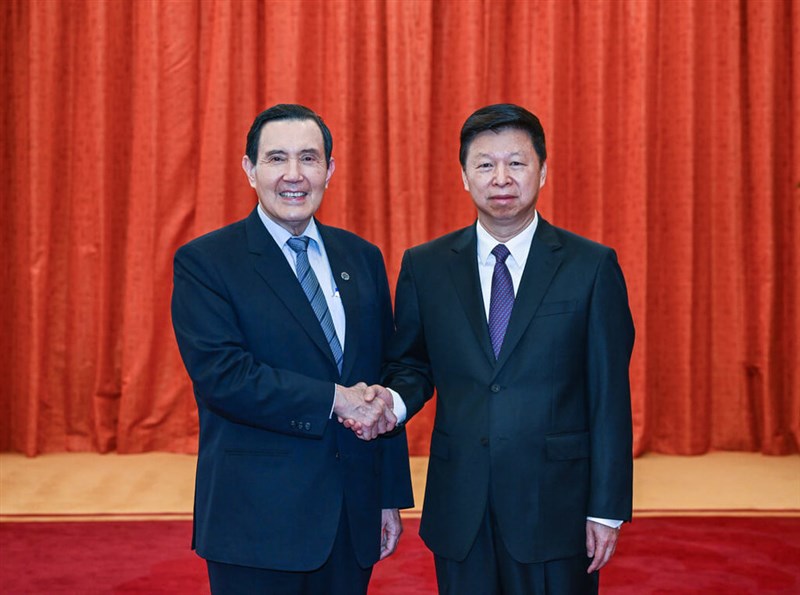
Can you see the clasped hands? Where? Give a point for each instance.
(367, 410)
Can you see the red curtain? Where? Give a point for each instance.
(673, 135)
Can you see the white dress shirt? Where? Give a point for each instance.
(318, 259)
(519, 246)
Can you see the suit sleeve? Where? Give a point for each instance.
(407, 368)
(610, 343)
(396, 491)
(227, 379)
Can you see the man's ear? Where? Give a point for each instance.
(249, 170)
(464, 179)
(542, 176)
(331, 167)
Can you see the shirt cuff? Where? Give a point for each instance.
(398, 406)
(613, 523)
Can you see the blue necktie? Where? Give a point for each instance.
(310, 285)
(502, 300)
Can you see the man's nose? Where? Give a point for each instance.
(501, 175)
(292, 170)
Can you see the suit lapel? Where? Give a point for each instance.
(464, 272)
(543, 262)
(271, 265)
(346, 278)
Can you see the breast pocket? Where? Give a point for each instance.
(553, 308)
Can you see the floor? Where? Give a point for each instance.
(82, 486)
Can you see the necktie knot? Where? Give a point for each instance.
(501, 252)
(298, 244)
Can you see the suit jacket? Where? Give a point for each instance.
(273, 469)
(543, 432)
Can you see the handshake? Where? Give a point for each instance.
(367, 410)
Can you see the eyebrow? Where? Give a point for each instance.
(308, 151)
(491, 155)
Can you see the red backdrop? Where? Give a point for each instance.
(673, 136)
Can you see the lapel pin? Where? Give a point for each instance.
(345, 276)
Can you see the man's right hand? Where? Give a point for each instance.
(360, 411)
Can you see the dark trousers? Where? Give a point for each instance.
(489, 569)
(340, 575)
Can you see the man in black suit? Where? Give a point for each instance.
(275, 316)
(524, 330)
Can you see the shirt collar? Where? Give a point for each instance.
(519, 246)
(281, 235)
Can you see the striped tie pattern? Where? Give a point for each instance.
(502, 299)
(310, 285)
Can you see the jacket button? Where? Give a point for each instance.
(495, 388)
(484, 441)
(293, 424)
(308, 426)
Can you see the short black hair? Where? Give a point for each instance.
(498, 117)
(286, 111)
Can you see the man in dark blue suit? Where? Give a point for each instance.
(524, 330)
(282, 322)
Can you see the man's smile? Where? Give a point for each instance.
(294, 194)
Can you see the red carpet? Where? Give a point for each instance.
(656, 556)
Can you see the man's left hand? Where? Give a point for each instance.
(601, 541)
(391, 528)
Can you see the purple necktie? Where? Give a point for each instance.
(502, 300)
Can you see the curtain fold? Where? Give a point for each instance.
(673, 134)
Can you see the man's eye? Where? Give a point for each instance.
(275, 159)
(517, 163)
(484, 165)
(308, 159)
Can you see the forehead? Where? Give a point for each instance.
(290, 135)
(505, 141)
